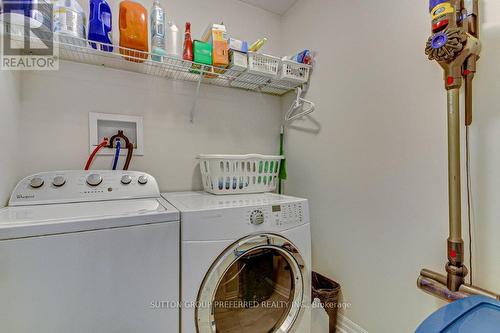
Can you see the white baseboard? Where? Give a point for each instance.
(345, 325)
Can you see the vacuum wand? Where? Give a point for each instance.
(456, 47)
(455, 266)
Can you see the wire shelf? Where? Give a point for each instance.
(80, 50)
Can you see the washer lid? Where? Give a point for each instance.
(199, 201)
(475, 314)
(37, 220)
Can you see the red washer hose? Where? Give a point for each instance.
(103, 144)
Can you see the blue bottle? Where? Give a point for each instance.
(100, 25)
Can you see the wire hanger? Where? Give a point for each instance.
(305, 106)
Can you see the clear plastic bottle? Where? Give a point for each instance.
(69, 22)
(157, 24)
(174, 41)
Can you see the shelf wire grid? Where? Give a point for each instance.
(94, 53)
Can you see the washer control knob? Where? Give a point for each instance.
(257, 217)
(58, 181)
(126, 179)
(143, 180)
(94, 179)
(36, 182)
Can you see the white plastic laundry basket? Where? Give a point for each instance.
(236, 174)
(294, 72)
(263, 64)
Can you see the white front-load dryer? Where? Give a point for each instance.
(89, 251)
(245, 263)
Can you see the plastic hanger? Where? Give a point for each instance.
(306, 107)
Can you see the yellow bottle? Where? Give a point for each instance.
(257, 45)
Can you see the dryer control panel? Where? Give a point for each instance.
(281, 215)
(288, 214)
(83, 186)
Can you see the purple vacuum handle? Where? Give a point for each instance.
(434, 3)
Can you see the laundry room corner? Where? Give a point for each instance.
(10, 113)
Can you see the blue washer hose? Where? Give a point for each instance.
(117, 154)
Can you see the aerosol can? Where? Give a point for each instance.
(157, 23)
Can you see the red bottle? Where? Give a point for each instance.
(188, 44)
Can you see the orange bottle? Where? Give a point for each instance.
(133, 30)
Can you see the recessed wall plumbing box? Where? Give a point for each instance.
(105, 125)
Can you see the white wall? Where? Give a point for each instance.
(376, 170)
(55, 107)
(10, 90)
(485, 138)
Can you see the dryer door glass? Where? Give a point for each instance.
(255, 294)
(255, 287)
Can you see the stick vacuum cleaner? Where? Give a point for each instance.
(455, 45)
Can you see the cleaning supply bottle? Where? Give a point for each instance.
(257, 45)
(157, 22)
(37, 13)
(100, 25)
(69, 22)
(188, 44)
(174, 42)
(133, 31)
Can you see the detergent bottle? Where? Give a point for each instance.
(38, 13)
(69, 22)
(133, 31)
(157, 31)
(100, 25)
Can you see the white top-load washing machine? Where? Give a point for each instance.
(88, 252)
(245, 263)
